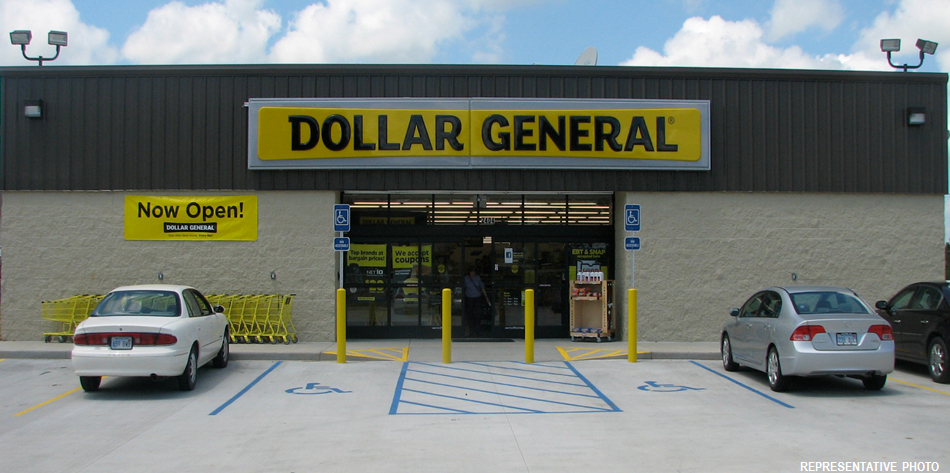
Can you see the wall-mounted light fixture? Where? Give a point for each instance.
(273, 275)
(916, 116)
(33, 108)
(892, 45)
(161, 277)
(23, 37)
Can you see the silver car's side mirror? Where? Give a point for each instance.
(218, 309)
(734, 312)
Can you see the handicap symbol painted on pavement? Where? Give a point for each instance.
(315, 388)
(666, 388)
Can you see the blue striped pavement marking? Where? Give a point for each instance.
(495, 388)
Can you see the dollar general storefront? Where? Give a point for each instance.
(226, 177)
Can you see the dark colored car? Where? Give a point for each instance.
(920, 317)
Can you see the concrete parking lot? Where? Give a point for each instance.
(490, 413)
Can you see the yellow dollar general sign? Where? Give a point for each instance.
(478, 133)
(150, 217)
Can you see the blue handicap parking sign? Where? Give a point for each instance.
(631, 217)
(341, 218)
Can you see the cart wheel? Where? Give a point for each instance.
(599, 339)
(573, 338)
(62, 339)
(273, 340)
(293, 338)
(47, 339)
(286, 340)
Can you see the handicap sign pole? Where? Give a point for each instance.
(631, 223)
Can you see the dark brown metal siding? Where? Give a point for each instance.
(185, 127)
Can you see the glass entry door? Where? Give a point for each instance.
(394, 286)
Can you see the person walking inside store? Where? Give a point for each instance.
(474, 295)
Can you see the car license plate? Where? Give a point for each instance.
(121, 343)
(847, 339)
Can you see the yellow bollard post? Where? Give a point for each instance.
(632, 325)
(446, 325)
(341, 325)
(529, 326)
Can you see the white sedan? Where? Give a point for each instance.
(809, 331)
(151, 330)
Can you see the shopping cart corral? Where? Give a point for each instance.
(66, 314)
(252, 318)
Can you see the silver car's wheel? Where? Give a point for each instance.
(188, 378)
(777, 381)
(874, 382)
(728, 363)
(937, 361)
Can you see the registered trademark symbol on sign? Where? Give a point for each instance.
(671, 120)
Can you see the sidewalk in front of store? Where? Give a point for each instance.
(427, 350)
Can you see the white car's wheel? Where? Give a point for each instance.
(188, 378)
(221, 359)
(90, 383)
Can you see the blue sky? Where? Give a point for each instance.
(813, 34)
(796, 34)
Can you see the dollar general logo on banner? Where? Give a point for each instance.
(150, 217)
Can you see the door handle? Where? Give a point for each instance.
(897, 321)
(924, 321)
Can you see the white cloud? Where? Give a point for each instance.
(790, 17)
(370, 31)
(87, 44)
(719, 43)
(233, 32)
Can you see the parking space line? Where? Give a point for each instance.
(388, 354)
(246, 389)
(594, 388)
(45, 403)
(760, 393)
(922, 387)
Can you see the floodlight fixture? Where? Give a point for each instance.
(926, 47)
(19, 37)
(888, 45)
(23, 37)
(891, 45)
(57, 38)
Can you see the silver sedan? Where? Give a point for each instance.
(809, 331)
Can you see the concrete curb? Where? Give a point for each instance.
(424, 350)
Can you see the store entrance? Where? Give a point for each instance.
(394, 288)
(403, 256)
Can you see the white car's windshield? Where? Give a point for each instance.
(147, 303)
(827, 303)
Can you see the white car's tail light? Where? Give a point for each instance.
(145, 338)
(806, 333)
(883, 332)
